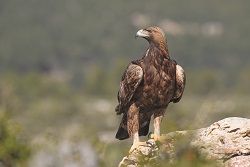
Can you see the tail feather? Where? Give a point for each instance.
(143, 131)
(122, 132)
(144, 123)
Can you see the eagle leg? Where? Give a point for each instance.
(133, 127)
(157, 122)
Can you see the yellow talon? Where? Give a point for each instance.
(157, 137)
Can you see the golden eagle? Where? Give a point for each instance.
(147, 86)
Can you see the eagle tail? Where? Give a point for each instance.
(122, 132)
(143, 131)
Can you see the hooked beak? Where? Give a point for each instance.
(142, 33)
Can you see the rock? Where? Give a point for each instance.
(224, 139)
(144, 154)
(227, 142)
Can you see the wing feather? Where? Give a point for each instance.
(180, 84)
(131, 79)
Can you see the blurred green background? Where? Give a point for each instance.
(61, 62)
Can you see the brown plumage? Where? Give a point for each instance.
(147, 86)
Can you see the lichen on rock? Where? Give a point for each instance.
(226, 143)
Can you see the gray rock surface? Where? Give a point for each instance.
(226, 141)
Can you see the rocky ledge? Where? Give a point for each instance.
(224, 143)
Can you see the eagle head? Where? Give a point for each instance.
(154, 35)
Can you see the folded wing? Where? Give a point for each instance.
(131, 79)
(180, 84)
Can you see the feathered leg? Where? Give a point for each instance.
(157, 122)
(133, 126)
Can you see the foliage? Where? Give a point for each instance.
(87, 40)
(13, 150)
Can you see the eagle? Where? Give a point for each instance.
(147, 86)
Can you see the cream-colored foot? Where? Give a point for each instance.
(136, 145)
(155, 137)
